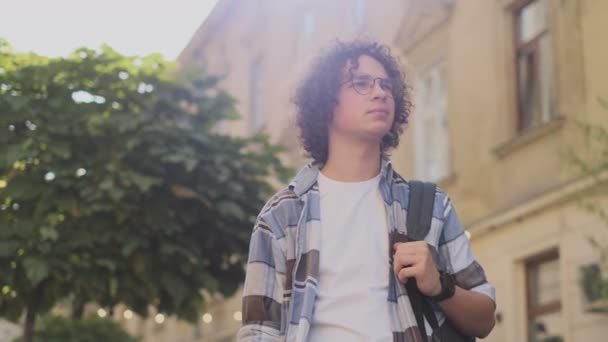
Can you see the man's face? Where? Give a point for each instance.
(366, 107)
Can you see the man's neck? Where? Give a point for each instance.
(352, 161)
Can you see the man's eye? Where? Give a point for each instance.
(386, 84)
(361, 83)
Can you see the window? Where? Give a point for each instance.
(204, 64)
(358, 8)
(308, 25)
(256, 114)
(431, 131)
(544, 298)
(533, 63)
(225, 60)
(305, 33)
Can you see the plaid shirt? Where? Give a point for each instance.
(283, 267)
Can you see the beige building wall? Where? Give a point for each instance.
(514, 192)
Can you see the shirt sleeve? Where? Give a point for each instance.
(263, 290)
(455, 249)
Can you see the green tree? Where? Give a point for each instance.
(114, 187)
(89, 329)
(593, 162)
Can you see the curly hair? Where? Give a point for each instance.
(315, 97)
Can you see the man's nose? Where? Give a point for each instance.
(378, 92)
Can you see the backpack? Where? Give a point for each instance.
(419, 216)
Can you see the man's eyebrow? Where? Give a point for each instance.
(369, 76)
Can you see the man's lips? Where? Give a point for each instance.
(378, 111)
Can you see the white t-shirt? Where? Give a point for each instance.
(354, 267)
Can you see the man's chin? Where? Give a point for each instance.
(379, 132)
(375, 136)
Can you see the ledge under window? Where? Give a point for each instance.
(528, 136)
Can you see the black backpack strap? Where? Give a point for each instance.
(420, 209)
(419, 217)
(418, 306)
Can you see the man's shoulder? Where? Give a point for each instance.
(442, 199)
(284, 199)
(280, 212)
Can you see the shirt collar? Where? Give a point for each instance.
(307, 176)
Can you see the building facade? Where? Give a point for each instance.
(499, 86)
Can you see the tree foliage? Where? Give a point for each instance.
(114, 186)
(89, 329)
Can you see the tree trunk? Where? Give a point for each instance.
(30, 322)
(33, 306)
(77, 308)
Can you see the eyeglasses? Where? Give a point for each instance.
(364, 84)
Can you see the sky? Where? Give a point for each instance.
(132, 27)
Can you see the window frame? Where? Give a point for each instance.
(422, 169)
(532, 310)
(532, 46)
(257, 117)
(358, 13)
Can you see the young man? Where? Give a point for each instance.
(319, 265)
